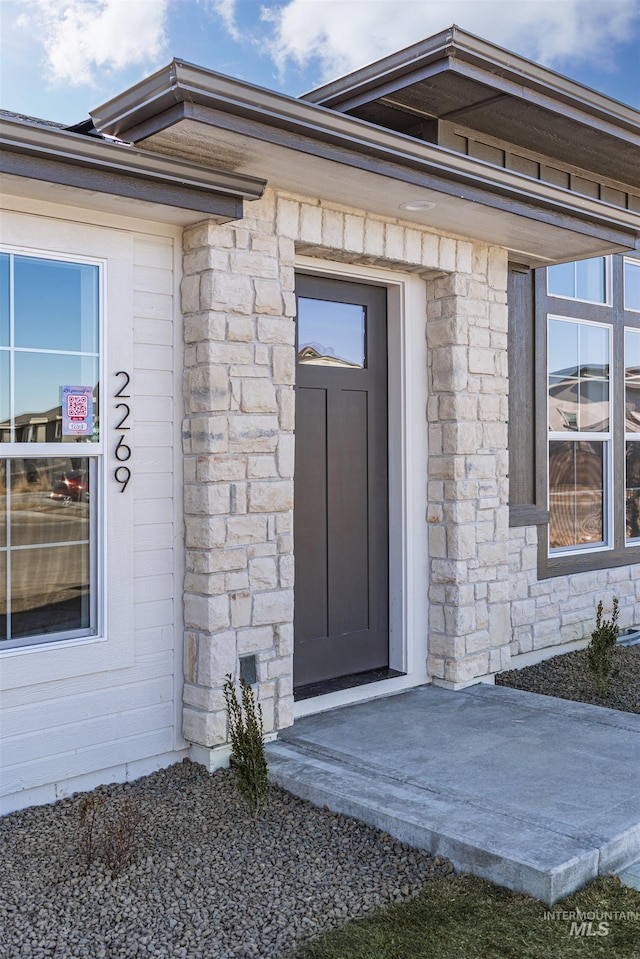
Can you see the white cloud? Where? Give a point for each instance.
(341, 35)
(80, 37)
(226, 9)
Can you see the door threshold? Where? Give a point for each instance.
(326, 686)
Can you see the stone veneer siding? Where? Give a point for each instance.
(238, 304)
(562, 609)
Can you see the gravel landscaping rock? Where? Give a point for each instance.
(568, 677)
(207, 881)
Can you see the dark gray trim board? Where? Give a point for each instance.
(135, 188)
(60, 156)
(528, 516)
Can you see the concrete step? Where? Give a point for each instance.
(493, 779)
(513, 853)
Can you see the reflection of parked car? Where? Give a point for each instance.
(71, 487)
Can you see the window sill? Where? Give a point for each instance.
(549, 567)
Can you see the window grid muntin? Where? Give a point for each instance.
(92, 450)
(606, 438)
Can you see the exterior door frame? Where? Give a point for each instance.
(408, 433)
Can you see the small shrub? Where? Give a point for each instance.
(120, 836)
(108, 834)
(89, 828)
(246, 732)
(601, 649)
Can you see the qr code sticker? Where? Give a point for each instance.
(77, 405)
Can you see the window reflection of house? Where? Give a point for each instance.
(579, 403)
(576, 493)
(632, 402)
(318, 355)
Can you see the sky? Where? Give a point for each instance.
(62, 58)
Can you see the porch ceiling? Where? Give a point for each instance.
(538, 224)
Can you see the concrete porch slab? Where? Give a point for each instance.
(535, 793)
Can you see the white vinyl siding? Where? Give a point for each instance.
(106, 708)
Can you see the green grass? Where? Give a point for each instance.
(468, 918)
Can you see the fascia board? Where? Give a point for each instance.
(122, 159)
(493, 65)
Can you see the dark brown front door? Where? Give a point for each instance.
(341, 618)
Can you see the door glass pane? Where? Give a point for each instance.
(4, 299)
(631, 285)
(576, 494)
(39, 378)
(331, 334)
(56, 305)
(632, 380)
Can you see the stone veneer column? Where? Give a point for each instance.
(238, 306)
(470, 631)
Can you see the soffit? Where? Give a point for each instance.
(556, 136)
(379, 187)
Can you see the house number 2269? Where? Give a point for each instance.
(122, 452)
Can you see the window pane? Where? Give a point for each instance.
(39, 378)
(4, 299)
(632, 380)
(560, 280)
(591, 280)
(49, 590)
(594, 351)
(594, 406)
(633, 489)
(563, 348)
(47, 509)
(5, 409)
(49, 501)
(576, 494)
(4, 505)
(55, 305)
(3, 595)
(331, 334)
(631, 285)
(563, 404)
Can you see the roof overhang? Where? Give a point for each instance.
(175, 189)
(187, 111)
(460, 77)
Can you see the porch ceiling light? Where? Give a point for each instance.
(416, 206)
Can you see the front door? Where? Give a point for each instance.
(341, 619)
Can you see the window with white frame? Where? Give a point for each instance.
(579, 458)
(585, 280)
(632, 434)
(50, 448)
(589, 402)
(632, 285)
